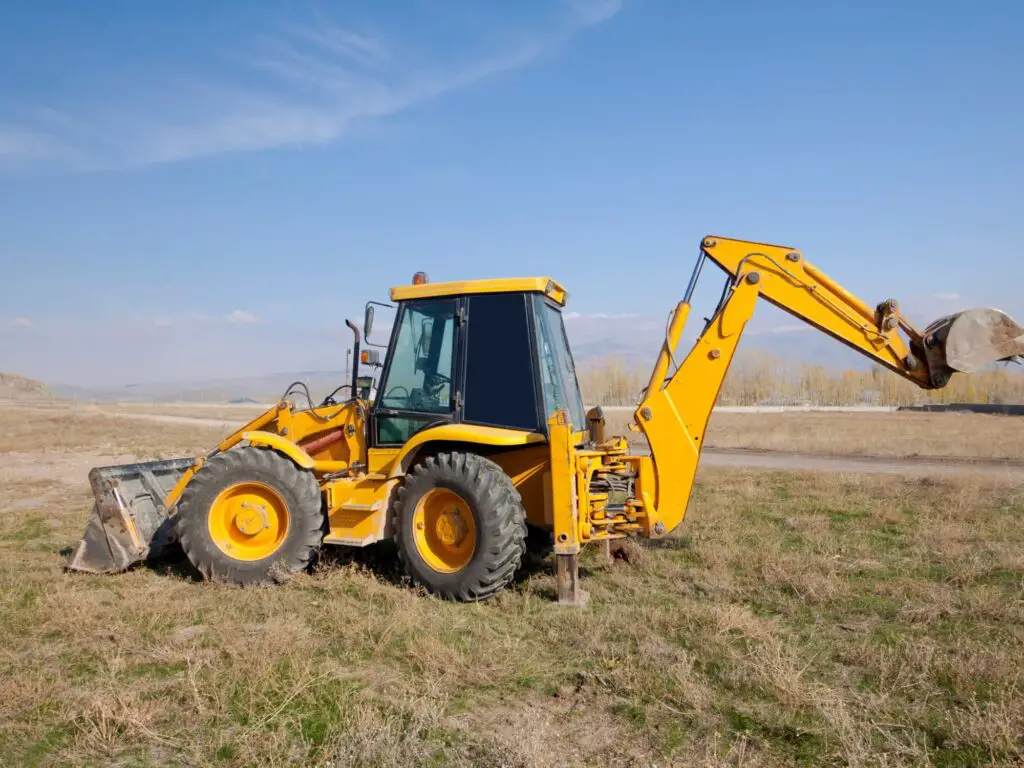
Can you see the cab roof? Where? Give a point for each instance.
(545, 285)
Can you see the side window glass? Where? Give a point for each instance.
(499, 387)
(422, 364)
(558, 375)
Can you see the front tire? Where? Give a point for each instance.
(251, 517)
(460, 527)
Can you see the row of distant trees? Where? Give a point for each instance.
(760, 379)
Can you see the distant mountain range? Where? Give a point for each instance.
(591, 342)
(258, 389)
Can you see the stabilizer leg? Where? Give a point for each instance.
(567, 581)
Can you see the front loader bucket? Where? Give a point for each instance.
(129, 523)
(971, 341)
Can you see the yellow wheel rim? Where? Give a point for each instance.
(248, 521)
(444, 530)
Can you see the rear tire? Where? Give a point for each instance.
(257, 504)
(497, 527)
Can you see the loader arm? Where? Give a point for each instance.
(676, 406)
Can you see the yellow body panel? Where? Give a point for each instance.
(529, 467)
(803, 290)
(357, 509)
(564, 507)
(675, 418)
(544, 285)
(282, 444)
(398, 460)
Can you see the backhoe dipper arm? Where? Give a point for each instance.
(674, 413)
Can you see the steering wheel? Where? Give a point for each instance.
(391, 392)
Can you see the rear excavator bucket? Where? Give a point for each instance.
(970, 341)
(975, 339)
(129, 523)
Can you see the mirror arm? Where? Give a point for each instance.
(366, 332)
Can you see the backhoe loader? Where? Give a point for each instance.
(476, 444)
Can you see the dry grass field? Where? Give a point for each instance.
(792, 619)
(901, 434)
(868, 433)
(755, 378)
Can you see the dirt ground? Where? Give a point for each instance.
(798, 618)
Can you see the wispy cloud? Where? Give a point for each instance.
(314, 82)
(19, 322)
(241, 317)
(596, 11)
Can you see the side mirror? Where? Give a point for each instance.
(368, 322)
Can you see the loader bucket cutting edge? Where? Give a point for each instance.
(972, 340)
(129, 523)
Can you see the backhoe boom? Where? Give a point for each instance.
(674, 411)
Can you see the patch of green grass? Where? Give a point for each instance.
(526, 681)
(740, 722)
(800, 738)
(53, 740)
(939, 572)
(961, 757)
(225, 752)
(30, 529)
(845, 515)
(315, 727)
(79, 666)
(633, 713)
(1011, 578)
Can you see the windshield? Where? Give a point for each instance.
(557, 372)
(420, 373)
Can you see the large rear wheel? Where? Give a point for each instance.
(250, 517)
(460, 526)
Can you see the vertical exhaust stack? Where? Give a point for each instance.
(970, 341)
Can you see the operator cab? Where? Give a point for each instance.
(486, 352)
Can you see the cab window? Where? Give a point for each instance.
(421, 370)
(557, 372)
(500, 387)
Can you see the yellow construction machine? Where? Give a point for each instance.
(476, 444)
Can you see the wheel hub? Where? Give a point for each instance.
(451, 528)
(248, 521)
(252, 518)
(444, 530)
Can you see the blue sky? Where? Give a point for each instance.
(207, 189)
